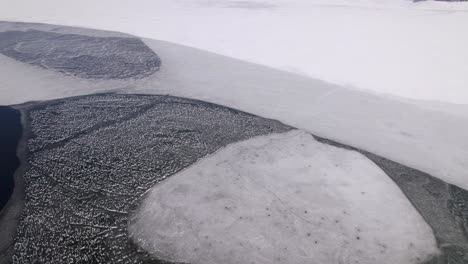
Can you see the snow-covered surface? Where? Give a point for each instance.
(415, 50)
(418, 136)
(282, 198)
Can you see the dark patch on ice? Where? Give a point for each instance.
(92, 158)
(81, 55)
(442, 205)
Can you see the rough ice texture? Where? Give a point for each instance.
(283, 198)
(90, 159)
(80, 55)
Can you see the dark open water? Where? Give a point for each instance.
(10, 134)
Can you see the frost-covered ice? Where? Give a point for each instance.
(90, 160)
(415, 50)
(81, 55)
(428, 138)
(282, 198)
(415, 135)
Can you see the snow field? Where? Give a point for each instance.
(397, 47)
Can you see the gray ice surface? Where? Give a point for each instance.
(92, 158)
(84, 56)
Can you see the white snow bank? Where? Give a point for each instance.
(415, 50)
(282, 198)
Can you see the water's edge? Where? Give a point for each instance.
(12, 203)
(10, 134)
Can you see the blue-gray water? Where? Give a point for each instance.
(10, 134)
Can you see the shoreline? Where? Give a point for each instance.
(11, 212)
(11, 134)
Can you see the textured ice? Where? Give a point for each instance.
(91, 158)
(81, 55)
(282, 198)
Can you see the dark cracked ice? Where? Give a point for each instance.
(85, 177)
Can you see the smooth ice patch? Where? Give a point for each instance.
(283, 198)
